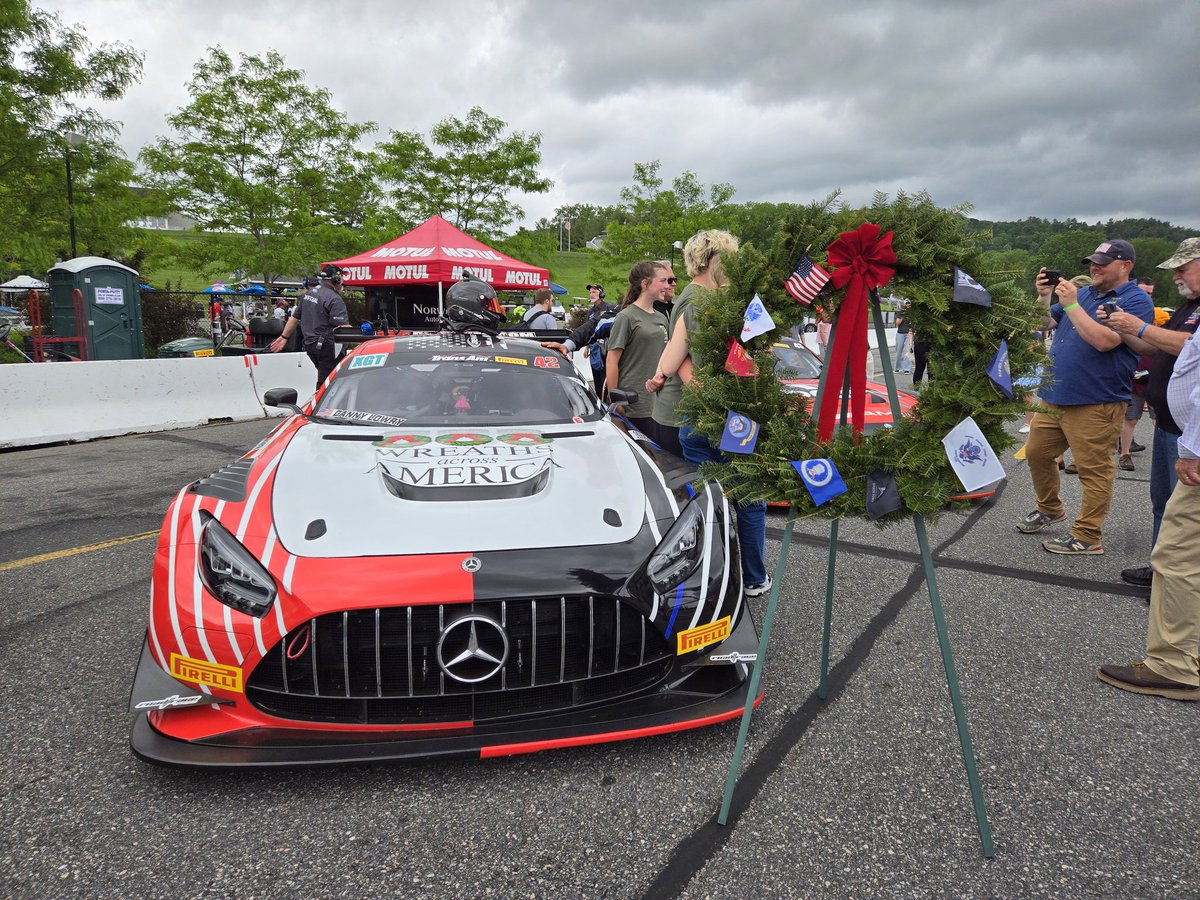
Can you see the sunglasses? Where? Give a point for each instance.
(672, 280)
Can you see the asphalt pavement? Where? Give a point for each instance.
(1089, 791)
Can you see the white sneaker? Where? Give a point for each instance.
(1024, 429)
(757, 590)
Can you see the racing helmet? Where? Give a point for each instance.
(331, 272)
(472, 293)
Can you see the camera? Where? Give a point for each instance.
(1052, 277)
(1109, 307)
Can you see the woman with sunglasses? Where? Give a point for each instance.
(636, 341)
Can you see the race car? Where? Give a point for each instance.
(799, 371)
(453, 550)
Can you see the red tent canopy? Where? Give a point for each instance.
(436, 252)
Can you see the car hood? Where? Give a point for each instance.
(338, 493)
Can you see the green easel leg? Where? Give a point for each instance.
(960, 714)
(756, 672)
(823, 687)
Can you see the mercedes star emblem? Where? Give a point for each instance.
(471, 564)
(472, 649)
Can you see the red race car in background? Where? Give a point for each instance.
(799, 370)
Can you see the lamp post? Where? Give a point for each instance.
(73, 140)
(678, 245)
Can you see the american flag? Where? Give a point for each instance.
(806, 281)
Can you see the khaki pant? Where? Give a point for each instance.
(1173, 634)
(1091, 433)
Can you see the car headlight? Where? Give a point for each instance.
(232, 574)
(679, 552)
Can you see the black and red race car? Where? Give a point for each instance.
(452, 550)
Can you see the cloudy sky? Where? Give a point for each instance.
(1052, 109)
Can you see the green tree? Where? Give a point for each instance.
(467, 180)
(264, 157)
(587, 221)
(48, 73)
(651, 219)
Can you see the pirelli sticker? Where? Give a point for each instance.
(201, 671)
(702, 635)
(511, 360)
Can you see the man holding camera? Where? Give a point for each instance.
(1093, 375)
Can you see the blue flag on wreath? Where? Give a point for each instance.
(821, 477)
(740, 434)
(999, 371)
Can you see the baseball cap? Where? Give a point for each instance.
(596, 286)
(1188, 249)
(1110, 250)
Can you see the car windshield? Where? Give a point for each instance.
(793, 362)
(458, 393)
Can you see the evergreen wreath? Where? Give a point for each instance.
(929, 242)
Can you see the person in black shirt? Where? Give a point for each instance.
(1162, 345)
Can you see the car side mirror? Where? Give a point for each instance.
(284, 397)
(619, 396)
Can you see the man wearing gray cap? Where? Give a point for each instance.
(1171, 666)
(1093, 375)
(1163, 344)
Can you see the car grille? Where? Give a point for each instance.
(379, 666)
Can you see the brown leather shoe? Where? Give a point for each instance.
(1125, 463)
(1140, 679)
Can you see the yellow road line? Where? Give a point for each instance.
(75, 551)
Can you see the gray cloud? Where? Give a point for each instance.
(1064, 108)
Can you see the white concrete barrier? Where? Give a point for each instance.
(283, 370)
(53, 402)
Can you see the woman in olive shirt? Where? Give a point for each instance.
(637, 339)
(702, 256)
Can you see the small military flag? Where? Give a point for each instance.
(968, 290)
(821, 477)
(757, 320)
(740, 434)
(999, 372)
(739, 362)
(883, 496)
(806, 281)
(971, 456)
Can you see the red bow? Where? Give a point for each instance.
(863, 262)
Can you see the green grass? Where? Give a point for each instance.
(571, 271)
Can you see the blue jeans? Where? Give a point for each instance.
(1164, 453)
(751, 515)
(901, 357)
